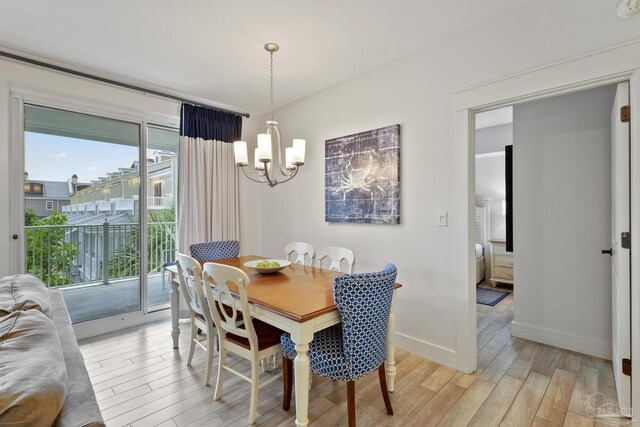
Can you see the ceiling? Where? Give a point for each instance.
(213, 49)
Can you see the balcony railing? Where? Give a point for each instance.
(67, 255)
(159, 202)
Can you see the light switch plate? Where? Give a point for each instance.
(443, 219)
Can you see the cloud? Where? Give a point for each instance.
(91, 168)
(60, 155)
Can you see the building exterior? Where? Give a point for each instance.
(46, 197)
(102, 219)
(125, 184)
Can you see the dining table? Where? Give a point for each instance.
(299, 300)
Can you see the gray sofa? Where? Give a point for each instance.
(43, 378)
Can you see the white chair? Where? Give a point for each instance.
(190, 275)
(298, 251)
(336, 255)
(254, 341)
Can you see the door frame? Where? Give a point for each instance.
(607, 66)
(19, 96)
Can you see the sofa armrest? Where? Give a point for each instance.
(80, 407)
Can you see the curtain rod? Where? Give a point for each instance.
(112, 82)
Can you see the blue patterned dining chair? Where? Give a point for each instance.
(168, 259)
(218, 249)
(356, 347)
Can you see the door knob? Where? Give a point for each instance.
(608, 251)
(15, 237)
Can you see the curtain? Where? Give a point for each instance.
(207, 176)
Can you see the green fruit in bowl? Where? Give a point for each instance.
(274, 264)
(263, 264)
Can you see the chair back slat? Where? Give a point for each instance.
(227, 279)
(364, 303)
(218, 249)
(336, 255)
(297, 252)
(190, 277)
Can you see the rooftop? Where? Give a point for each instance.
(52, 189)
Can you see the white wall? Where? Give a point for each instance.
(494, 138)
(418, 92)
(562, 219)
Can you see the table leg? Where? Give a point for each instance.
(175, 309)
(390, 363)
(301, 369)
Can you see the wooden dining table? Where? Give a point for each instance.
(298, 300)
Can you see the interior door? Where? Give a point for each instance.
(620, 262)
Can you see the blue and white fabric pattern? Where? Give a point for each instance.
(358, 346)
(210, 251)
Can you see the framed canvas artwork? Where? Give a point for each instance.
(362, 177)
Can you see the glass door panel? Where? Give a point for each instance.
(82, 210)
(162, 178)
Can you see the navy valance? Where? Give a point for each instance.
(209, 124)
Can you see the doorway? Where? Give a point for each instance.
(614, 65)
(560, 288)
(494, 264)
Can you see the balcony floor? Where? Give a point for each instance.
(98, 301)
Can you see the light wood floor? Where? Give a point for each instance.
(140, 381)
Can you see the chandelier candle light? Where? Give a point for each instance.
(263, 156)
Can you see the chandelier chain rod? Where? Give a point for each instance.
(271, 82)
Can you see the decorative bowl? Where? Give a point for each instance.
(252, 265)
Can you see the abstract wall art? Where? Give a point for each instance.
(362, 177)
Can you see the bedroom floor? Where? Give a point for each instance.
(494, 320)
(140, 381)
(539, 385)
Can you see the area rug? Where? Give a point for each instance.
(490, 296)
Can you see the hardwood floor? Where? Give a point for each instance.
(140, 381)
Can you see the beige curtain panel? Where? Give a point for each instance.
(207, 193)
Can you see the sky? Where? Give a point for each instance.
(56, 158)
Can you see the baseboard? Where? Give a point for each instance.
(433, 352)
(95, 328)
(575, 343)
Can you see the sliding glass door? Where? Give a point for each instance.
(162, 182)
(99, 197)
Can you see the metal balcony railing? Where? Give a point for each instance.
(159, 202)
(68, 255)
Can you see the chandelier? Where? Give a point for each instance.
(263, 156)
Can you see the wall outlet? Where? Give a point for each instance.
(443, 219)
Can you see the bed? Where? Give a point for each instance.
(479, 263)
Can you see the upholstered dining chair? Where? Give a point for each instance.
(218, 249)
(297, 252)
(356, 347)
(336, 255)
(190, 277)
(254, 340)
(168, 260)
